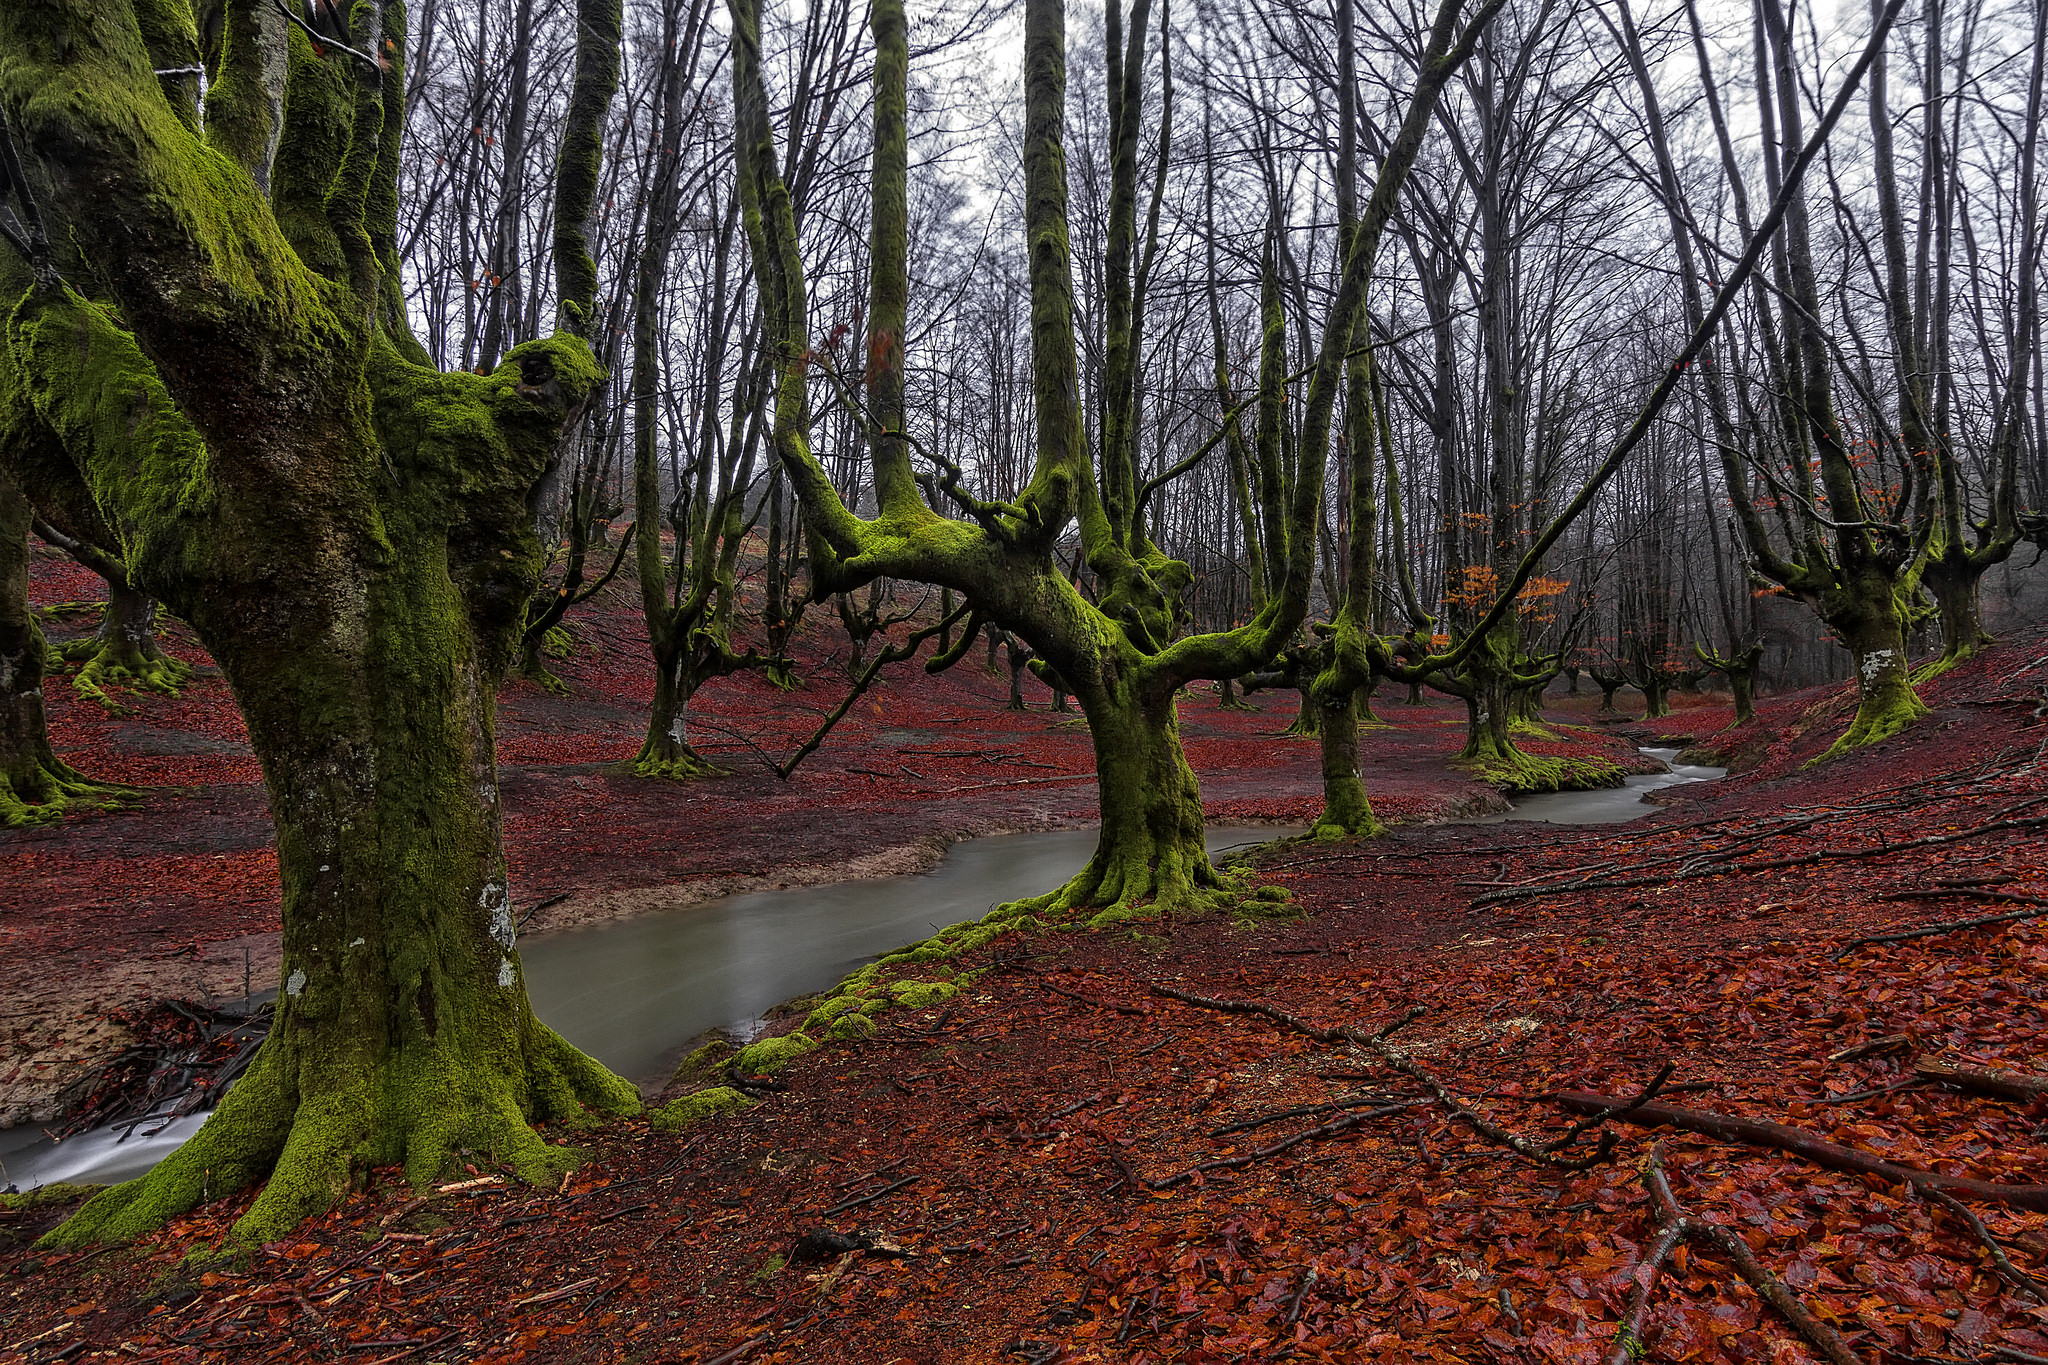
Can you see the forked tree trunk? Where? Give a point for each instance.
(667, 752)
(1742, 688)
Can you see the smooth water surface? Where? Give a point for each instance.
(1609, 805)
(634, 992)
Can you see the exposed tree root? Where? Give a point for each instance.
(307, 1151)
(49, 789)
(119, 664)
(1119, 884)
(685, 765)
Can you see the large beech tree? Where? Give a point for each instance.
(1117, 653)
(214, 367)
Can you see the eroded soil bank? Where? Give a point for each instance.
(1013, 1152)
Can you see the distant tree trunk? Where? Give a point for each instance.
(35, 784)
(1609, 684)
(1020, 661)
(124, 651)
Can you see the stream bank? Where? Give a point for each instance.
(637, 991)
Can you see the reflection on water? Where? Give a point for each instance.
(635, 992)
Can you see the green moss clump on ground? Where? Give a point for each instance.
(852, 1028)
(47, 1194)
(704, 1063)
(772, 1054)
(917, 995)
(1518, 774)
(677, 1115)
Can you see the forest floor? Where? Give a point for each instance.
(176, 895)
(1024, 1158)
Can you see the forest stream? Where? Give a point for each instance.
(638, 993)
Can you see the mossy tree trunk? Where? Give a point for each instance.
(1151, 849)
(1656, 690)
(1119, 653)
(1609, 684)
(124, 651)
(1740, 670)
(35, 784)
(1851, 565)
(1869, 618)
(348, 532)
(688, 601)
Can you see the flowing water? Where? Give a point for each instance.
(637, 993)
(1608, 805)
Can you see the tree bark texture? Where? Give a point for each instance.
(348, 532)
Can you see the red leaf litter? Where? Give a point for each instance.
(1069, 1163)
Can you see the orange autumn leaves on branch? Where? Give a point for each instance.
(1477, 583)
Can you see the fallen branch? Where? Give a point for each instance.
(1831, 1155)
(2007, 1271)
(1376, 1043)
(1674, 1225)
(845, 1204)
(2015, 1085)
(1091, 1000)
(1327, 1130)
(1824, 855)
(1300, 1111)
(1951, 926)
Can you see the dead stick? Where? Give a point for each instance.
(2010, 917)
(1772, 1290)
(1831, 1155)
(1778, 1295)
(2007, 1271)
(843, 1205)
(1308, 1282)
(1327, 1130)
(1649, 1270)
